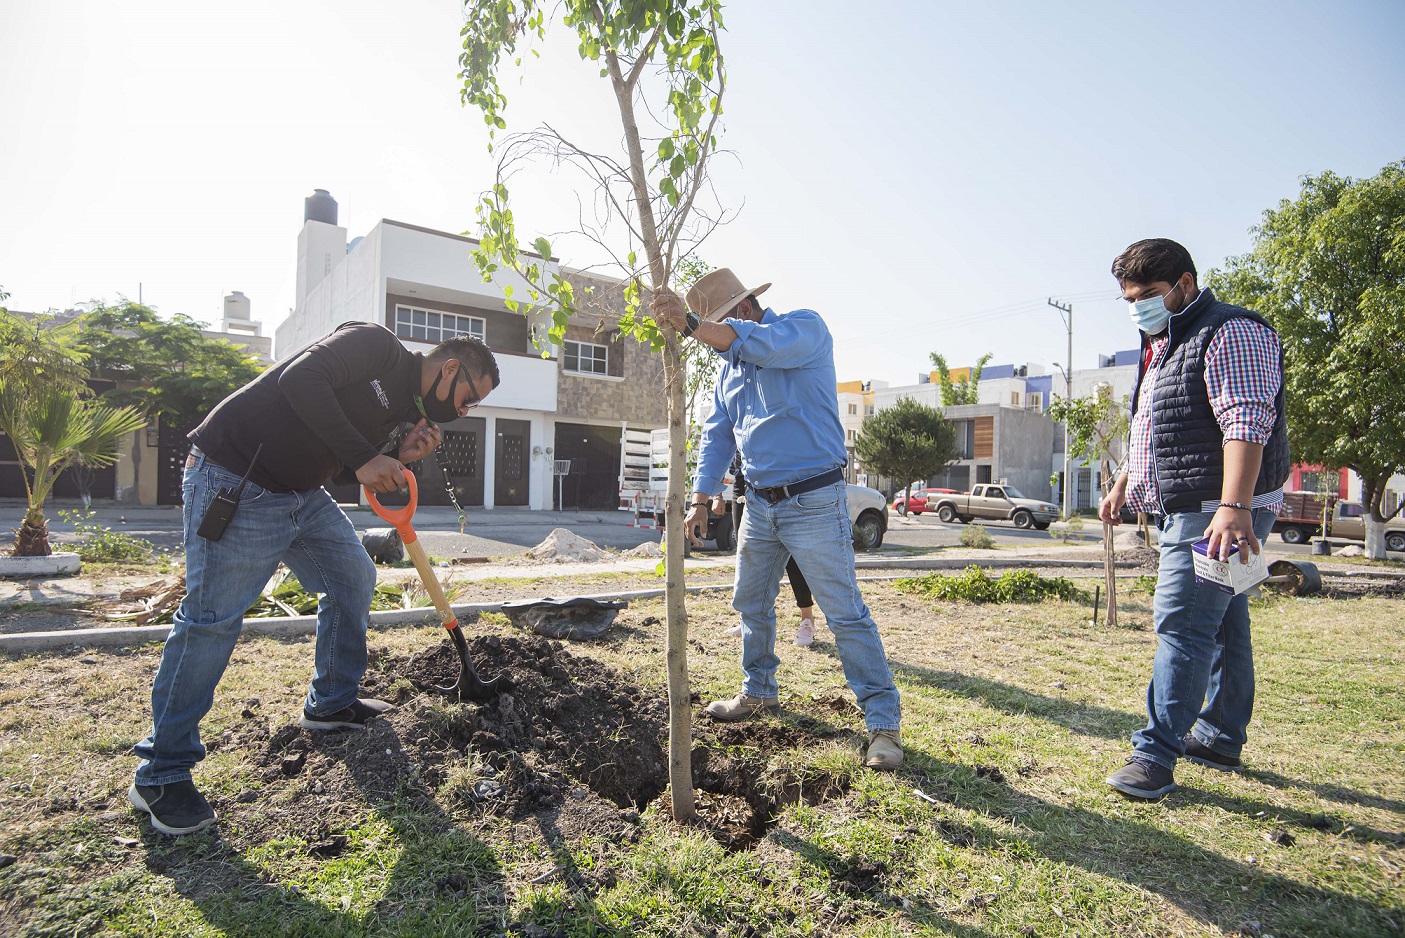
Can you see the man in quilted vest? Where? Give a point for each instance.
(1208, 458)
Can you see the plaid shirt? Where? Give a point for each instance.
(1242, 374)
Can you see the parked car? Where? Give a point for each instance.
(1301, 519)
(920, 498)
(996, 503)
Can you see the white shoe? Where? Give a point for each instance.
(805, 635)
(735, 630)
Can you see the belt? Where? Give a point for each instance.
(193, 459)
(776, 493)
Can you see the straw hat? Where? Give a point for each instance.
(716, 293)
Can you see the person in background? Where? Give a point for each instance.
(1208, 457)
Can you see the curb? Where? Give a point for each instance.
(993, 563)
(24, 643)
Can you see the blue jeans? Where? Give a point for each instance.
(814, 529)
(1202, 680)
(306, 531)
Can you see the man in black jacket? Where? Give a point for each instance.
(1209, 456)
(327, 410)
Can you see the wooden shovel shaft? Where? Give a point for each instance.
(431, 584)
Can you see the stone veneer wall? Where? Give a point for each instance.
(635, 397)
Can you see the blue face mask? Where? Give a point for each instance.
(1151, 315)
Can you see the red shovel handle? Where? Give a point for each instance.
(399, 518)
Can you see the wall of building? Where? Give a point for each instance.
(353, 291)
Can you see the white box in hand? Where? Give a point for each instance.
(1229, 576)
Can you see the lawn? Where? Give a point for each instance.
(545, 814)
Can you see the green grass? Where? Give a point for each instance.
(1014, 713)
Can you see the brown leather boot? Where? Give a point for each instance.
(742, 707)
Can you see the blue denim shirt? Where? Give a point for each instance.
(776, 403)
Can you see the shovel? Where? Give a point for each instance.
(469, 686)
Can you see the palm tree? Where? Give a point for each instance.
(51, 428)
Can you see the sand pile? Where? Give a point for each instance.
(647, 549)
(563, 546)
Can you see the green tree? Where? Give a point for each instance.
(1328, 270)
(907, 441)
(163, 366)
(51, 422)
(964, 391)
(1097, 430)
(659, 58)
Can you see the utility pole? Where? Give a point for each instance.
(1066, 312)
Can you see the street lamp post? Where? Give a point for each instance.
(1066, 311)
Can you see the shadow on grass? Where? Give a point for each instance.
(443, 881)
(1336, 793)
(1181, 871)
(1085, 719)
(863, 883)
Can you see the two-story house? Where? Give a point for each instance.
(559, 407)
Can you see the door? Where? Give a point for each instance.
(513, 463)
(462, 452)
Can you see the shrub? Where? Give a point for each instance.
(973, 586)
(1073, 526)
(98, 543)
(977, 536)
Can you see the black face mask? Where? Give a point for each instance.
(437, 411)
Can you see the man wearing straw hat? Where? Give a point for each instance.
(776, 404)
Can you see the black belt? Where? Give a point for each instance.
(777, 492)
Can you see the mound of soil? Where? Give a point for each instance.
(572, 747)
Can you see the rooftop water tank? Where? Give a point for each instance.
(320, 206)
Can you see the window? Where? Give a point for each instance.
(1034, 400)
(426, 325)
(868, 410)
(853, 409)
(1014, 398)
(1351, 510)
(586, 358)
(853, 435)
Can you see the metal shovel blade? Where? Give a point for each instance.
(470, 686)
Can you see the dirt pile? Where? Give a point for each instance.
(572, 748)
(647, 549)
(563, 546)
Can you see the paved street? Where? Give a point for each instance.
(507, 531)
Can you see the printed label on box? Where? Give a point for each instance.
(1230, 576)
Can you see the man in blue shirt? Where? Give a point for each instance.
(776, 404)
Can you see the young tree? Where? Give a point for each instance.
(907, 441)
(964, 391)
(660, 59)
(1328, 270)
(46, 413)
(1097, 429)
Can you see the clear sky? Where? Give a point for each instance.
(924, 174)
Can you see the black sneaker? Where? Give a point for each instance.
(177, 808)
(1201, 754)
(1142, 778)
(353, 717)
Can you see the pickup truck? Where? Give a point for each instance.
(995, 503)
(1301, 519)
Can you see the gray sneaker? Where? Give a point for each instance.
(1201, 754)
(885, 750)
(1142, 778)
(176, 808)
(742, 707)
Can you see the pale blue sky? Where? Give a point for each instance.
(923, 174)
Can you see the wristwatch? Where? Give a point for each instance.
(692, 323)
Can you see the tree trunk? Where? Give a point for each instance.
(32, 540)
(1373, 492)
(680, 718)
